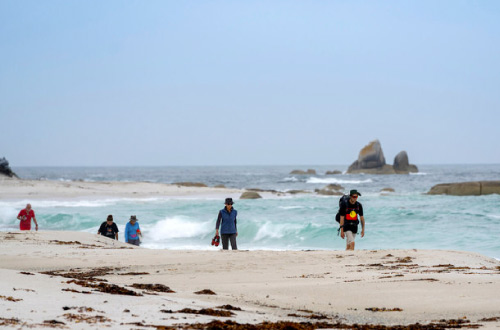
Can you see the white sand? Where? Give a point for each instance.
(43, 189)
(267, 285)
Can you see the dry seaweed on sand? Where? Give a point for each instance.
(26, 273)
(92, 319)
(312, 316)
(490, 319)
(153, 287)
(76, 291)
(229, 308)
(9, 298)
(205, 291)
(27, 290)
(133, 273)
(81, 309)
(11, 321)
(383, 309)
(53, 322)
(286, 325)
(206, 311)
(55, 241)
(89, 275)
(106, 288)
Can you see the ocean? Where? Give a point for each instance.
(404, 219)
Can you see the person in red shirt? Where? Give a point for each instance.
(25, 217)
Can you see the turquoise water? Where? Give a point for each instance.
(405, 219)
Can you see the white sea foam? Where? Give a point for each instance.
(335, 180)
(177, 227)
(418, 173)
(295, 207)
(77, 203)
(290, 179)
(276, 230)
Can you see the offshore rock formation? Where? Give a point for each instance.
(5, 169)
(402, 164)
(371, 160)
(471, 188)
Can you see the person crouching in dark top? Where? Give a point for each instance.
(109, 228)
(227, 222)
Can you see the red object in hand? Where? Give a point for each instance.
(216, 240)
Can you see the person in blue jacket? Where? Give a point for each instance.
(227, 222)
(133, 231)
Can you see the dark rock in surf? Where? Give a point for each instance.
(5, 169)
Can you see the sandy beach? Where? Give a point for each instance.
(70, 280)
(44, 189)
(78, 280)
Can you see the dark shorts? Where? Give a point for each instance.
(351, 226)
(134, 242)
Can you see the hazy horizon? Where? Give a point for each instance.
(162, 83)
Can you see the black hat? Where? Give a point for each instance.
(354, 192)
(133, 217)
(229, 201)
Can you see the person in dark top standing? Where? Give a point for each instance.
(227, 222)
(349, 221)
(109, 228)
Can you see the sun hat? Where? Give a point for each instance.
(134, 218)
(354, 192)
(229, 201)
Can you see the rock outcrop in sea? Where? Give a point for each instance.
(471, 188)
(334, 172)
(371, 160)
(331, 190)
(301, 172)
(5, 169)
(191, 184)
(402, 164)
(250, 195)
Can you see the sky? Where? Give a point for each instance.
(159, 83)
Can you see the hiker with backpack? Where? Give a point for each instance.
(347, 216)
